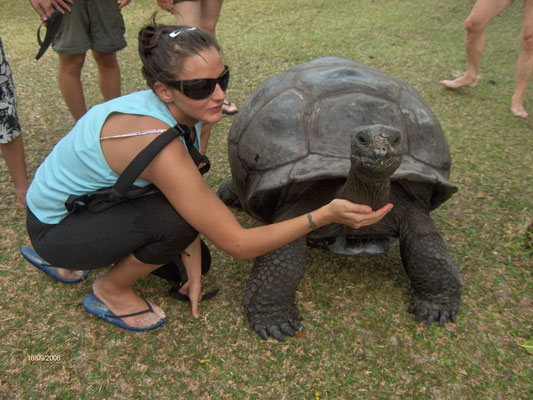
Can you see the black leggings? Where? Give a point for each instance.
(149, 227)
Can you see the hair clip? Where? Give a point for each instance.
(175, 33)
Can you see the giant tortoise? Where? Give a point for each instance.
(332, 128)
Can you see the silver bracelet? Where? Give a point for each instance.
(312, 225)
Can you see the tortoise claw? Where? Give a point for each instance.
(261, 330)
(275, 333)
(432, 317)
(286, 329)
(429, 312)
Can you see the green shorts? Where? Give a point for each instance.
(92, 24)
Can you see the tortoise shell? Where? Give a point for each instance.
(295, 129)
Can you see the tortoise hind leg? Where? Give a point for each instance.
(270, 294)
(434, 276)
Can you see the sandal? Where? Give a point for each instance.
(229, 108)
(174, 292)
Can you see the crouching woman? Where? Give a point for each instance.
(187, 78)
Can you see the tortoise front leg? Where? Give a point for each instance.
(269, 299)
(434, 276)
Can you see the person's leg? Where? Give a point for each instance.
(524, 65)
(106, 35)
(13, 153)
(11, 144)
(108, 74)
(188, 13)
(136, 237)
(69, 78)
(482, 13)
(116, 291)
(210, 14)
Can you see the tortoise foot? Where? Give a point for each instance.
(428, 312)
(226, 193)
(276, 323)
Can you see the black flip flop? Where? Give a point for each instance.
(174, 292)
(52, 26)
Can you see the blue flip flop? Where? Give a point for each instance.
(96, 307)
(29, 254)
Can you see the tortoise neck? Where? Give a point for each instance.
(372, 193)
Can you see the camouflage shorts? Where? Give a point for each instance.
(9, 120)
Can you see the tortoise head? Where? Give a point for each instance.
(376, 152)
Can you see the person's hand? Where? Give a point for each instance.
(123, 3)
(355, 215)
(193, 290)
(45, 8)
(167, 5)
(192, 260)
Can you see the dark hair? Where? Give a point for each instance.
(164, 48)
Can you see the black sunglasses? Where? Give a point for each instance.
(199, 89)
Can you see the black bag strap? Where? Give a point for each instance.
(196, 156)
(145, 157)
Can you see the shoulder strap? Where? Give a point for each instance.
(193, 151)
(141, 161)
(145, 157)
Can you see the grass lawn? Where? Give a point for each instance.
(358, 341)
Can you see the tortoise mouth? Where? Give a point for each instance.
(375, 167)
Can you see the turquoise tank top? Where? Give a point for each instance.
(76, 165)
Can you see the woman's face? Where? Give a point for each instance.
(207, 64)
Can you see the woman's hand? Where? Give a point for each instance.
(355, 215)
(192, 259)
(193, 290)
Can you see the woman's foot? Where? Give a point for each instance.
(460, 82)
(127, 302)
(70, 274)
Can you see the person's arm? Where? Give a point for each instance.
(123, 3)
(175, 174)
(167, 5)
(45, 8)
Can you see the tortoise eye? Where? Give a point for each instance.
(396, 140)
(362, 138)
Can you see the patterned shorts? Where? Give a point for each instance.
(9, 120)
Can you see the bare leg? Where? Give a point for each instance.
(210, 14)
(482, 13)
(524, 65)
(13, 153)
(188, 13)
(69, 77)
(108, 74)
(115, 290)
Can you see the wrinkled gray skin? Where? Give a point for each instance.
(335, 128)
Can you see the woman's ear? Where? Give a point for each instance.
(163, 92)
